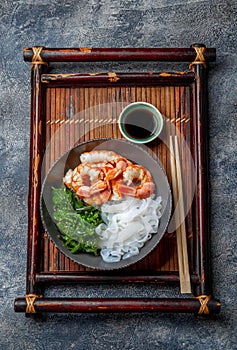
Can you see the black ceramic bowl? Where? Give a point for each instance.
(70, 160)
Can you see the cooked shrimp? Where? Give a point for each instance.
(118, 168)
(99, 197)
(87, 180)
(84, 175)
(137, 182)
(96, 194)
(87, 191)
(99, 156)
(104, 175)
(120, 189)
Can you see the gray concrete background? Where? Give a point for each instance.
(119, 23)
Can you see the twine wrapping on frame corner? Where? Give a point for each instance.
(203, 299)
(199, 59)
(37, 59)
(30, 299)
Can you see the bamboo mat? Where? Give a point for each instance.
(79, 114)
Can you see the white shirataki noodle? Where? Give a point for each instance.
(128, 225)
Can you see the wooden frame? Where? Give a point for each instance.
(192, 89)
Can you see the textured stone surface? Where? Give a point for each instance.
(119, 23)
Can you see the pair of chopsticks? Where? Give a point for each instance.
(177, 186)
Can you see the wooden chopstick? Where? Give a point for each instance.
(185, 285)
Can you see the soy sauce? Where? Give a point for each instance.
(140, 124)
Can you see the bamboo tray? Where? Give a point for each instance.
(61, 117)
